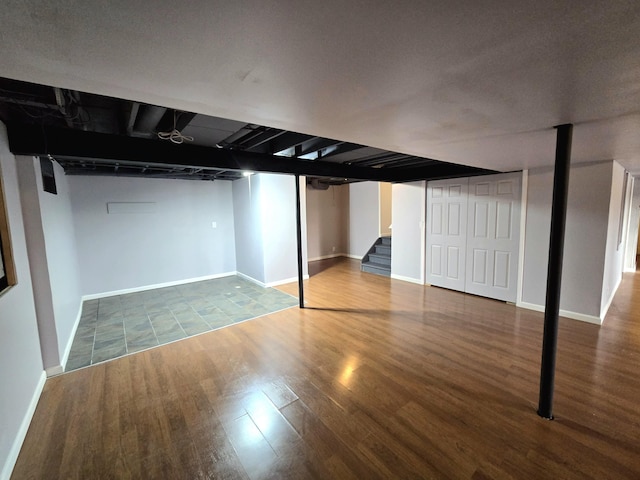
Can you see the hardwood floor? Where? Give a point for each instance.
(378, 379)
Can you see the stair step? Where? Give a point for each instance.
(377, 269)
(386, 240)
(383, 249)
(380, 259)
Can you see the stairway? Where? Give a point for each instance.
(378, 258)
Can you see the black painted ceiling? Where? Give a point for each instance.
(96, 135)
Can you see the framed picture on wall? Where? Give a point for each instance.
(7, 270)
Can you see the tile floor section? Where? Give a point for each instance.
(115, 326)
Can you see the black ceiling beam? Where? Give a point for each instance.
(76, 144)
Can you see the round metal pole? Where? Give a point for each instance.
(554, 269)
(299, 236)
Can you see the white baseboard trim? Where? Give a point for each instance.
(53, 371)
(94, 296)
(271, 284)
(251, 279)
(10, 462)
(563, 313)
(67, 350)
(325, 257)
(605, 307)
(407, 279)
(355, 257)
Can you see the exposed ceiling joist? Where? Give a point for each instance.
(261, 138)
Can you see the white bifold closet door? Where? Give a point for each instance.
(447, 232)
(482, 254)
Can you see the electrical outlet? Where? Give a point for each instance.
(214, 224)
(333, 249)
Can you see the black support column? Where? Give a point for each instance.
(554, 269)
(299, 235)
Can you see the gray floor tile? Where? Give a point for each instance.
(163, 329)
(156, 307)
(138, 327)
(110, 317)
(103, 343)
(80, 349)
(85, 330)
(133, 310)
(160, 316)
(196, 328)
(141, 342)
(217, 321)
(113, 326)
(171, 336)
(78, 362)
(139, 347)
(102, 354)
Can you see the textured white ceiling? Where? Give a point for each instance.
(474, 82)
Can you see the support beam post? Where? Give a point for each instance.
(299, 235)
(554, 269)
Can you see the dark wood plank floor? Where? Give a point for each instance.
(379, 379)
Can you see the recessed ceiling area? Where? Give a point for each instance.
(96, 135)
(473, 83)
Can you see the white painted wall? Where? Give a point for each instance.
(21, 370)
(38, 264)
(278, 213)
(175, 243)
(327, 221)
(408, 241)
(53, 260)
(265, 236)
(248, 227)
(614, 253)
(585, 238)
(58, 229)
(363, 217)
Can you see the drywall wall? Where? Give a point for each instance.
(21, 370)
(248, 227)
(51, 248)
(60, 244)
(585, 237)
(363, 217)
(327, 221)
(385, 208)
(408, 241)
(278, 207)
(38, 264)
(265, 217)
(171, 241)
(614, 253)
